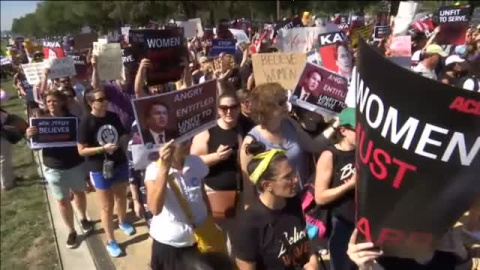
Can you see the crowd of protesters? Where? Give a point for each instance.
(257, 159)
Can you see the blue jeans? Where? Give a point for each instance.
(338, 244)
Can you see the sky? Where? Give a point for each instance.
(14, 9)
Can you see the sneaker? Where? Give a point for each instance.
(114, 249)
(72, 240)
(87, 226)
(127, 228)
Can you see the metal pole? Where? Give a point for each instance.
(278, 10)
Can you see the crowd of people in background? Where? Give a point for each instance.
(257, 161)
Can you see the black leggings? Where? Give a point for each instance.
(165, 257)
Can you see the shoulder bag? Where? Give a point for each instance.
(208, 236)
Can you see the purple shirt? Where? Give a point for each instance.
(119, 102)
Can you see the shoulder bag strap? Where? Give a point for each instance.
(181, 200)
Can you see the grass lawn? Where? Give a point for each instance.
(26, 238)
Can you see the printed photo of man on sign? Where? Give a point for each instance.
(320, 90)
(177, 115)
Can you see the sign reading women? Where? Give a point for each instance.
(418, 156)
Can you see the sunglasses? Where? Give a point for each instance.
(226, 107)
(102, 99)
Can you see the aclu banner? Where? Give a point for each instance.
(166, 49)
(418, 156)
(54, 132)
(228, 46)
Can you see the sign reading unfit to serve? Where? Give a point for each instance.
(283, 68)
(418, 156)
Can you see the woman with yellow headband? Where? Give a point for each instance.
(271, 232)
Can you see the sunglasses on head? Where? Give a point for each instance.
(226, 107)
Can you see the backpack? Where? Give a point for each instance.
(318, 217)
(476, 83)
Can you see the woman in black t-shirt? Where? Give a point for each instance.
(99, 136)
(271, 233)
(64, 170)
(335, 189)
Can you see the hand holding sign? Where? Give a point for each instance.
(166, 154)
(362, 254)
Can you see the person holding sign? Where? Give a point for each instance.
(271, 234)
(99, 136)
(64, 171)
(335, 188)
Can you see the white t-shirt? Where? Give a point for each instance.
(171, 226)
(425, 72)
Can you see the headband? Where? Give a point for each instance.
(266, 158)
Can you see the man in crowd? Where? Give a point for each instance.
(431, 58)
(156, 123)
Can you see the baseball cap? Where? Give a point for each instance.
(454, 59)
(347, 117)
(436, 49)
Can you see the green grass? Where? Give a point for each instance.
(27, 240)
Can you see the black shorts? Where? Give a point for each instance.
(165, 257)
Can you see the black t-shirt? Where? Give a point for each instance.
(441, 261)
(97, 131)
(62, 158)
(273, 239)
(245, 124)
(344, 168)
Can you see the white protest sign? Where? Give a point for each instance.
(125, 30)
(198, 25)
(405, 15)
(34, 72)
(110, 62)
(302, 39)
(189, 28)
(240, 36)
(61, 67)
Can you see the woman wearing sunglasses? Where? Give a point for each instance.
(218, 148)
(269, 111)
(99, 135)
(271, 233)
(335, 188)
(64, 170)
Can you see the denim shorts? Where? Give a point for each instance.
(120, 175)
(61, 182)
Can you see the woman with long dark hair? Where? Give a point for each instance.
(335, 188)
(64, 170)
(99, 135)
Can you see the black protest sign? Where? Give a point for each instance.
(81, 66)
(331, 38)
(54, 132)
(166, 50)
(129, 63)
(177, 115)
(381, 31)
(453, 25)
(84, 41)
(418, 156)
(288, 24)
(219, 46)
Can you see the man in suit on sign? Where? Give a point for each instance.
(156, 123)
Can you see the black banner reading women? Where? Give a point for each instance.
(54, 132)
(166, 50)
(418, 156)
